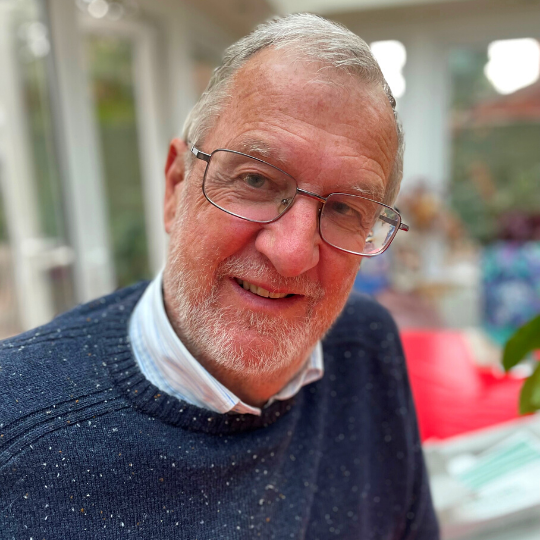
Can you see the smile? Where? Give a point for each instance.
(259, 291)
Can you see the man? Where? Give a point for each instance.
(197, 408)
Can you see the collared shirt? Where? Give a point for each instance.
(166, 362)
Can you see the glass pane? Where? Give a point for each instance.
(111, 72)
(34, 49)
(348, 222)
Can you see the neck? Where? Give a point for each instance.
(250, 387)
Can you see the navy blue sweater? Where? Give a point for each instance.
(91, 449)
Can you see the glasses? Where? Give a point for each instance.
(253, 190)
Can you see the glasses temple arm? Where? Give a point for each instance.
(393, 222)
(200, 155)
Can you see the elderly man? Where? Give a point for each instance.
(196, 407)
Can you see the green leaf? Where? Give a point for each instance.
(525, 340)
(529, 398)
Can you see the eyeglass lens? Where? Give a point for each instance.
(256, 191)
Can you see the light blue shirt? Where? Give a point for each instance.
(165, 361)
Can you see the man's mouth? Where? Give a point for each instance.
(259, 291)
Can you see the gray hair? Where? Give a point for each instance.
(310, 37)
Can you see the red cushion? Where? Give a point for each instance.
(452, 395)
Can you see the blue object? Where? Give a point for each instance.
(373, 276)
(511, 285)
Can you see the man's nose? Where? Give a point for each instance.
(292, 242)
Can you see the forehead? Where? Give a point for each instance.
(313, 121)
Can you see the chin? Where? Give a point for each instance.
(250, 342)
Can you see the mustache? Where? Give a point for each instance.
(259, 269)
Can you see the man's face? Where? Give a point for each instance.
(332, 134)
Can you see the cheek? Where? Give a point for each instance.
(211, 234)
(338, 273)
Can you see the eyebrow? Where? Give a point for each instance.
(371, 190)
(261, 149)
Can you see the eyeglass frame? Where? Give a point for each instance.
(203, 156)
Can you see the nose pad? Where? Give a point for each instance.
(292, 242)
(284, 204)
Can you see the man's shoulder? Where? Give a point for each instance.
(363, 347)
(59, 361)
(71, 324)
(363, 319)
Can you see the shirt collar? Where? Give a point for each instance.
(166, 362)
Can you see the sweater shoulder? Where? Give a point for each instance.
(362, 320)
(59, 362)
(364, 347)
(365, 368)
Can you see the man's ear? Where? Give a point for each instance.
(174, 175)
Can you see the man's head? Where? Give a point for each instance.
(310, 39)
(306, 96)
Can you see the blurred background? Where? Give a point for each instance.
(91, 92)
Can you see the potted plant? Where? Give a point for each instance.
(524, 341)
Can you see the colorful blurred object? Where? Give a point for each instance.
(511, 284)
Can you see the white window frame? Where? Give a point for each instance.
(149, 93)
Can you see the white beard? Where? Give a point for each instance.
(210, 329)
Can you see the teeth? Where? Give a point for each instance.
(262, 292)
(259, 290)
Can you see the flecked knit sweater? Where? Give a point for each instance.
(91, 449)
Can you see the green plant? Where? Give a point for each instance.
(525, 340)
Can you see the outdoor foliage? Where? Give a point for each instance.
(524, 341)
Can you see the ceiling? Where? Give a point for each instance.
(238, 16)
(325, 7)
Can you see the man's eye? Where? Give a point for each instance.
(341, 208)
(347, 216)
(254, 180)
